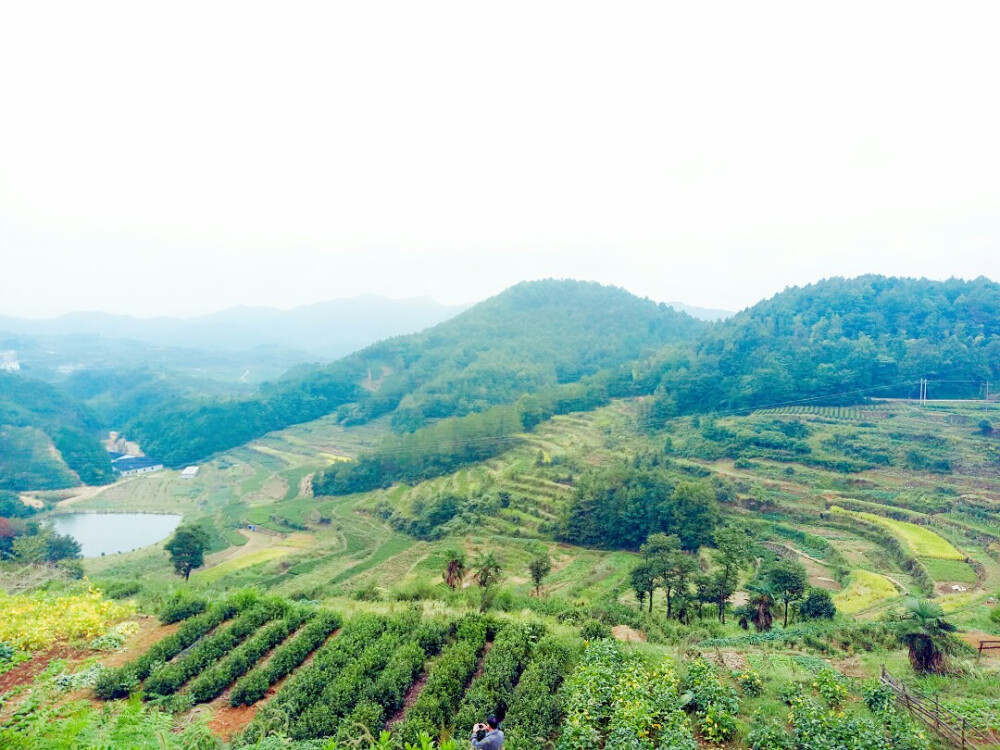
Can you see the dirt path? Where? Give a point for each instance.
(479, 665)
(32, 502)
(411, 697)
(815, 570)
(82, 493)
(226, 720)
(255, 542)
(305, 485)
(150, 632)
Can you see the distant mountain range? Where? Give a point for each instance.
(326, 330)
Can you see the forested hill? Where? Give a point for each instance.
(841, 340)
(532, 336)
(34, 418)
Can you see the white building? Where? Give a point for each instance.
(130, 466)
(190, 472)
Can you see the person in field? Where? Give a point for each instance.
(487, 736)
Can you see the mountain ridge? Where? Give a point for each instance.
(316, 328)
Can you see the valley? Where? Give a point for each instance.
(609, 554)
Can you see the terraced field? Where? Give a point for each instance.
(352, 546)
(864, 592)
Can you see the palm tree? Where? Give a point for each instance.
(454, 570)
(761, 601)
(927, 635)
(487, 569)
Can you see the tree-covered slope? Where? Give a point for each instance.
(841, 339)
(532, 336)
(34, 417)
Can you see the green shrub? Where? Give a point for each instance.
(446, 683)
(285, 659)
(750, 682)
(210, 650)
(491, 693)
(182, 607)
(593, 630)
(118, 683)
(831, 686)
(217, 678)
(771, 736)
(122, 589)
(715, 704)
(818, 605)
(306, 686)
(536, 707)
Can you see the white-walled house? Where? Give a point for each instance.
(130, 466)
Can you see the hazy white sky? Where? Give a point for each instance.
(178, 158)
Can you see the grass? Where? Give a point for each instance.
(952, 571)
(238, 563)
(922, 541)
(865, 590)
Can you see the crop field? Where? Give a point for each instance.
(957, 571)
(37, 620)
(356, 545)
(922, 541)
(852, 413)
(864, 591)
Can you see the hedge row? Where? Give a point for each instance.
(385, 694)
(536, 708)
(341, 694)
(436, 704)
(118, 683)
(492, 691)
(182, 607)
(254, 686)
(305, 686)
(210, 683)
(170, 678)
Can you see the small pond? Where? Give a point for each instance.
(110, 533)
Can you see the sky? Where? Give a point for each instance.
(179, 158)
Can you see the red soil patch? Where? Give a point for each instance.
(627, 634)
(24, 674)
(150, 631)
(479, 667)
(973, 637)
(227, 721)
(411, 697)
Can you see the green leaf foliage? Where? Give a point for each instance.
(251, 688)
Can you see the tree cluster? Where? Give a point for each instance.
(619, 507)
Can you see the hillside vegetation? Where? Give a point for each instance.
(582, 553)
(48, 440)
(837, 341)
(533, 336)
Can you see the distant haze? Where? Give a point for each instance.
(183, 159)
(329, 329)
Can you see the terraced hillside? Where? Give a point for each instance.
(863, 501)
(832, 494)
